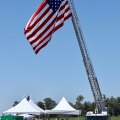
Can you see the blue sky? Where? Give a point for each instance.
(58, 69)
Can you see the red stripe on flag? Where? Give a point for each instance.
(41, 47)
(37, 21)
(40, 26)
(44, 22)
(42, 33)
(42, 6)
(49, 34)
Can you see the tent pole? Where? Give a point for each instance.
(39, 116)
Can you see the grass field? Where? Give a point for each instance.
(83, 118)
(115, 118)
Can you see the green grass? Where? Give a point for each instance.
(115, 118)
(83, 118)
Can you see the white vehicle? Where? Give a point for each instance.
(93, 116)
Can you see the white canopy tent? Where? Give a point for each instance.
(27, 116)
(35, 106)
(63, 107)
(21, 108)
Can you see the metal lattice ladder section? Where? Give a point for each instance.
(86, 59)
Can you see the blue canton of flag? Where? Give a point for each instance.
(54, 4)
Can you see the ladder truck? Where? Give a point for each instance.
(100, 113)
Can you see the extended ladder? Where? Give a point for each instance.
(86, 59)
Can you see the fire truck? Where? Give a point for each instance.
(100, 112)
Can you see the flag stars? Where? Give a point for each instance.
(54, 4)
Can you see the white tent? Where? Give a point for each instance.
(23, 107)
(27, 116)
(63, 107)
(36, 107)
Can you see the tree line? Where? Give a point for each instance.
(112, 104)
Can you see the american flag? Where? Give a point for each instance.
(48, 18)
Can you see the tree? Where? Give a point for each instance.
(72, 104)
(92, 106)
(49, 103)
(41, 105)
(78, 104)
(86, 107)
(113, 105)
